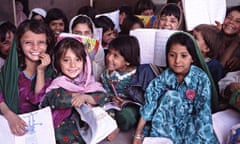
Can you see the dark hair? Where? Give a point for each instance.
(184, 40)
(211, 37)
(55, 14)
(143, 5)
(104, 22)
(82, 20)
(37, 27)
(61, 48)
(128, 23)
(128, 10)
(171, 9)
(173, 1)
(128, 47)
(6, 27)
(233, 8)
(168, 10)
(87, 10)
(35, 14)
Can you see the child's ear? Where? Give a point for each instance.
(206, 49)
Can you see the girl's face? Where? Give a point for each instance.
(57, 26)
(179, 60)
(231, 24)
(201, 43)
(108, 36)
(82, 29)
(168, 22)
(33, 45)
(6, 45)
(115, 61)
(70, 64)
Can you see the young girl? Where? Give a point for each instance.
(37, 14)
(125, 78)
(108, 31)
(57, 21)
(25, 74)
(169, 17)
(207, 38)
(83, 25)
(229, 53)
(177, 102)
(7, 32)
(74, 86)
(145, 7)
(130, 23)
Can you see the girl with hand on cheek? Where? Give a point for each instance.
(25, 74)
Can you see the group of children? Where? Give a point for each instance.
(42, 68)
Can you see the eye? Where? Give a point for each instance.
(174, 21)
(171, 54)
(65, 60)
(115, 55)
(78, 59)
(184, 55)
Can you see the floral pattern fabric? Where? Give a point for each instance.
(180, 111)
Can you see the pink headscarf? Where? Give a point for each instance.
(84, 83)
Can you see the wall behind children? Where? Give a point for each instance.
(70, 7)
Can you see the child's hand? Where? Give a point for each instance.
(118, 100)
(45, 61)
(233, 63)
(16, 124)
(78, 100)
(218, 25)
(234, 86)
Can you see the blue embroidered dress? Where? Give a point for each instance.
(173, 115)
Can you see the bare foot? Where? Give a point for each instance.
(113, 135)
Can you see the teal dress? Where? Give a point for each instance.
(180, 111)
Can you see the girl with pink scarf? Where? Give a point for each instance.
(74, 86)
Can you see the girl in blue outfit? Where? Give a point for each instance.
(177, 102)
(125, 78)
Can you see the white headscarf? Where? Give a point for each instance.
(39, 11)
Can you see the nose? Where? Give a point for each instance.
(35, 46)
(177, 59)
(72, 64)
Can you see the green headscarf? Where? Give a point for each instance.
(214, 92)
(9, 79)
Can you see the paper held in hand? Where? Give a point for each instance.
(40, 129)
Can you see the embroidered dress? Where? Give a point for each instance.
(129, 115)
(120, 81)
(180, 111)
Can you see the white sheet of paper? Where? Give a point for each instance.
(160, 46)
(152, 44)
(203, 12)
(156, 140)
(99, 122)
(223, 122)
(146, 39)
(114, 16)
(40, 129)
